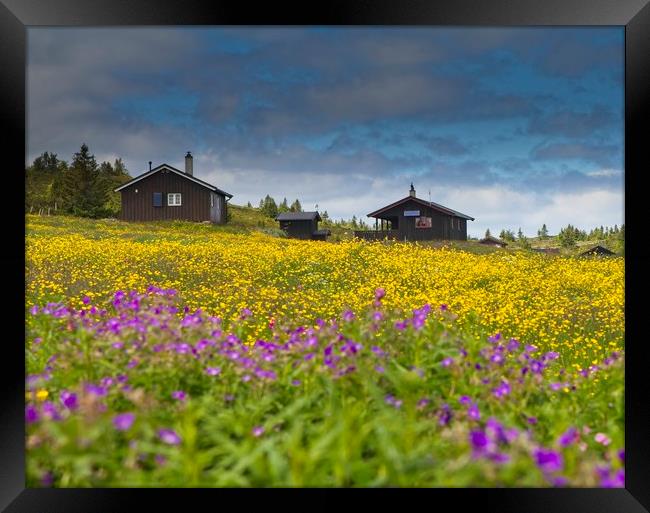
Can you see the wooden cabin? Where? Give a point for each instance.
(547, 251)
(598, 251)
(493, 241)
(302, 225)
(412, 218)
(165, 192)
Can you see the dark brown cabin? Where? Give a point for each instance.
(493, 241)
(165, 192)
(412, 219)
(597, 251)
(302, 225)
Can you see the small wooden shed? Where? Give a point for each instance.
(302, 225)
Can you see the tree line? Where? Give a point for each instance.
(271, 208)
(82, 187)
(569, 235)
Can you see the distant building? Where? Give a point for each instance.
(165, 192)
(412, 218)
(548, 251)
(302, 225)
(493, 241)
(597, 251)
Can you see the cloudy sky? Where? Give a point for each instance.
(513, 126)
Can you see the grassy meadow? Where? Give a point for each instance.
(183, 354)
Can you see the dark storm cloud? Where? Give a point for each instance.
(344, 115)
(601, 154)
(571, 123)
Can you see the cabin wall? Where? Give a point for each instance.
(298, 229)
(138, 206)
(443, 226)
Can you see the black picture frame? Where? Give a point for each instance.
(17, 15)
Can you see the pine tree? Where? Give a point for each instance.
(487, 233)
(269, 207)
(284, 206)
(296, 206)
(83, 190)
(249, 205)
(520, 234)
(542, 233)
(567, 237)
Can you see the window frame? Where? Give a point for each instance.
(173, 195)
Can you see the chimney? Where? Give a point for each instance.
(412, 191)
(149, 165)
(189, 166)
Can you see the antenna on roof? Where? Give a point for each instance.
(429, 195)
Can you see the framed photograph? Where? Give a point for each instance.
(358, 246)
(423, 222)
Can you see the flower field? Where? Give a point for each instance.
(188, 355)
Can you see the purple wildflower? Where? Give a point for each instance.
(123, 421)
(179, 395)
(464, 399)
(95, 390)
(169, 436)
(69, 400)
(536, 367)
(548, 461)
(31, 414)
(390, 399)
(348, 315)
(497, 358)
(473, 412)
(213, 371)
(258, 431)
(513, 345)
(502, 390)
(50, 411)
(401, 325)
(447, 362)
(479, 441)
(422, 403)
(379, 293)
(570, 436)
(444, 415)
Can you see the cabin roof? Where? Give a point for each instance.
(298, 216)
(173, 170)
(598, 249)
(430, 204)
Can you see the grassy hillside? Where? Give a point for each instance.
(248, 220)
(247, 359)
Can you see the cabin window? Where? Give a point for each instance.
(174, 199)
(157, 199)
